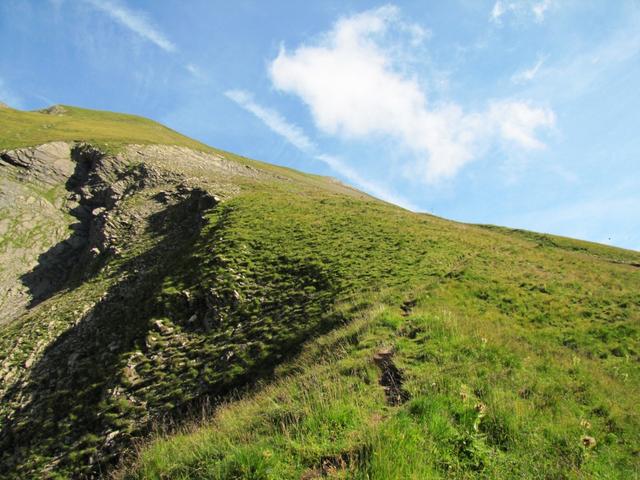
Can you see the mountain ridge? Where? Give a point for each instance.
(194, 273)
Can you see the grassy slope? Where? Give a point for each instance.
(518, 345)
(21, 129)
(513, 353)
(110, 131)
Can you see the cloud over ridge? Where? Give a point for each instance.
(296, 137)
(354, 87)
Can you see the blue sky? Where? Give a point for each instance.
(524, 113)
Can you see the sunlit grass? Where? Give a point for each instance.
(514, 347)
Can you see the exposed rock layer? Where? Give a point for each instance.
(78, 376)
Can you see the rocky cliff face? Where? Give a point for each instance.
(136, 297)
(35, 216)
(55, 205)
(87, 239)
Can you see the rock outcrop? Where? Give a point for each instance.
(111, 225)
(34, 218)
(56, 209)
(54, 110)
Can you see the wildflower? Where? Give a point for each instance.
(584, 423)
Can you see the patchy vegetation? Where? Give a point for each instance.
(331, 334)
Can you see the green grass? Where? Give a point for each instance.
(479, 414)
(512, 355)
(513, 346)
(107, 129)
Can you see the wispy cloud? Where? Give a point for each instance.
(590, 70)
(138, 22)
(195, 71)
(528, 74)
(134, 20)
(498, 10)
(354, 86)
(340, 166)
(539, 9)
(272, 119)
(520, 9)
(296, 137)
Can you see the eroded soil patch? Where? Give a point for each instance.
(391, 378)
(407, 307)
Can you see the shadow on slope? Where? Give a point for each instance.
(71, 398)
(97, 184)
(147, 349)
(56, 266)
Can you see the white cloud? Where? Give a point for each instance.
(520, 9)
(528, 74)
(272, 119)
(497, 11)
(135, 21)
(518, 121)
(540, 8)
(354, 88)
(195, 71)
(296, 137)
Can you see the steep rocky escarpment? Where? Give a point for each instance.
(146, 312)
(86, 190)
(54, 215)
(34, 217)
(76, 401)
(55, 205)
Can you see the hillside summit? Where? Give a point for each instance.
(169, 310)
